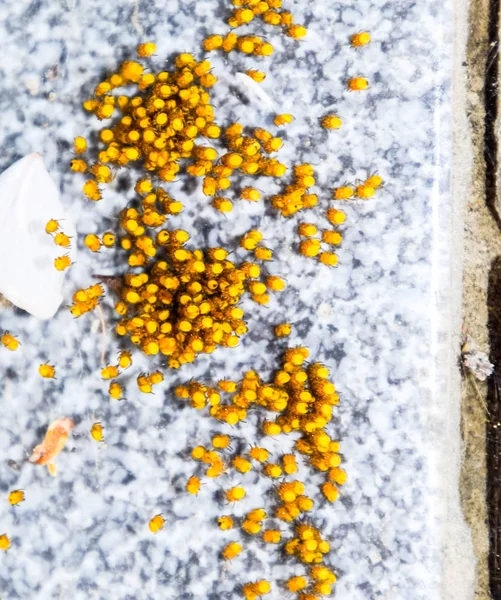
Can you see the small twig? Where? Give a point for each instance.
(103, 338)
(135, 18)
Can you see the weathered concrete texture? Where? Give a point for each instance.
(482, 243)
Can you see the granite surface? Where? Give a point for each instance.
(373, 320)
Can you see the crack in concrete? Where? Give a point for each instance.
(491, 112)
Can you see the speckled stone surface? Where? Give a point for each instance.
(373, 320)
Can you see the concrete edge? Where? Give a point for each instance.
(459, 563)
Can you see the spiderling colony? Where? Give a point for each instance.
(177, 301)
